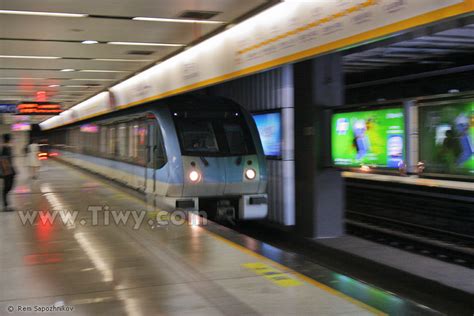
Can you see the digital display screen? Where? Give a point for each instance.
(39, 108)
(447, 138)
(269, 129)
(374, 138)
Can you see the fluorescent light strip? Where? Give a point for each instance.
(98, 70)
(177, 20)
(145, 44)
(56, 14)
(126, 60)
(20, 78)
(30, 57)
(81, 86)
(90, 79)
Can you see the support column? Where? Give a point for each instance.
(320, 198)
(411, 136)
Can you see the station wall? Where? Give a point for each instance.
(271, 91)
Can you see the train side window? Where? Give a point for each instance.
(140, 134)
(132, 150)
(122, 140)
(103, 140)
(111, 142)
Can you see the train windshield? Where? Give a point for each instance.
(213, 133)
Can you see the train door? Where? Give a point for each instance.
(151, 157)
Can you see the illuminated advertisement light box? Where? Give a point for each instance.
(7, 108)
(89, 128)
(20, 127)
(375, 138)
(269, 129)
(447, 138)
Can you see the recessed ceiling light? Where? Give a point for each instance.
(145, 44)
(57, 14)
(124, 60)
(29, 57)
(99, 70)
(53, 86)
(68, 70)
(89, 42)
(177, 20)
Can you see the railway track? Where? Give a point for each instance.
(443, 245)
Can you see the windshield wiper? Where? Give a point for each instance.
(204, 161)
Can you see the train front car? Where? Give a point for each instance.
(222, 164)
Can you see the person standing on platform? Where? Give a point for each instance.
(7, 170)
(33, 161)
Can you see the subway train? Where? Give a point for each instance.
(189, 152)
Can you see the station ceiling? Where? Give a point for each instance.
(48, 52)
(433, 51)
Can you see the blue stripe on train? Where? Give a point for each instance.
(119, 165)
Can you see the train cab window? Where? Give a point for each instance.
(198, 136)
(235, 138)
(213, 133)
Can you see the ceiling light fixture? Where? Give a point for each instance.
(124, 60)
(145, 44)
(56, 14)
(53, 86)
(68, 70)
(81, 86)
(89, 42)
(177, 20)
(29, 57)
(99, 70)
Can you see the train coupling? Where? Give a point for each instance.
(225, 212)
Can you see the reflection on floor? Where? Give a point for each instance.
(96, 259)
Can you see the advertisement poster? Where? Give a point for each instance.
(374, 138)
(447, 138)
(269, 128)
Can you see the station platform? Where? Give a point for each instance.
(412, 180)
(94, 265)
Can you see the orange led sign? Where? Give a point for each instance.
(38, 108)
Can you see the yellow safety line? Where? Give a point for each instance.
(299, 275)
(278, 277)
(457, 9)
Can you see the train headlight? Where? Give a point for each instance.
(250, 174)
(194, 176)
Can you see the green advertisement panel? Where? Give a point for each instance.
(375, 138)
(447, 138)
